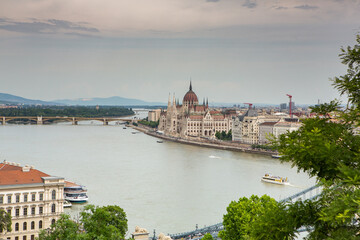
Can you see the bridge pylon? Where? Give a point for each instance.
(3, 120)
(39, 120)
(74, 122)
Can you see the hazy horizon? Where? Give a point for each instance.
(234, 51)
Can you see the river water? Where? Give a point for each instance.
(167, 186)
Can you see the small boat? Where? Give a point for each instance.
(134, 132)
(124, 127)
(274, 179)
(75, 193)
(67, 204)
(276, 156)
(159, 141)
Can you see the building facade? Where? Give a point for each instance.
(192, 119)
(154, 115)
(33, 199)
(246, 127)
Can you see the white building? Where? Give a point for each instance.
(276, 129)
(33, 199)
(154, 115)
(245, 128)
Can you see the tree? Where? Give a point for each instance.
(96, 223)
(207, 237)
(64, 228)
(241, 216)
(5, 221)
(107, 222)
(326, 147)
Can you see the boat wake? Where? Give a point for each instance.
(295, 186)
(212, 156)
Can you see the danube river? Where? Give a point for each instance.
(167, 186)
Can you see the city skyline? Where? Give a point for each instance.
(234, 51)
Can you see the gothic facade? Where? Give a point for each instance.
(192, 119)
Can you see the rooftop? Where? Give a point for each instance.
(13, 174)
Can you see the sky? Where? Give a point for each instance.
(233, 51)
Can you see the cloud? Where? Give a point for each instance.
(212, 0)
(45, 26)
(249, 4)
(306, 7)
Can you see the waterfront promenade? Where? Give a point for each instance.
(218, 144)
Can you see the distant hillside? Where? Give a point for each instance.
(12, 99)
(110, 101)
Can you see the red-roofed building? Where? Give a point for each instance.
(33, 199)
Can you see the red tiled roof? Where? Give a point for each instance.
(218, 117)
(199, 108)
(195, 117)
(12, 175)
(214, 112)
(268, 123)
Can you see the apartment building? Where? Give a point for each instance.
(33, 199)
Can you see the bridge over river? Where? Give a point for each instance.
(74, 120)
(309, 193)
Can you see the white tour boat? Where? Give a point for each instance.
(274, 179)
(75, 193)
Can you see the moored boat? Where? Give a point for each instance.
(276, 156)
(75, 193)
(67, 204)
(274, 179)
(159, 141)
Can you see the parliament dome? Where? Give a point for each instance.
(190, 97)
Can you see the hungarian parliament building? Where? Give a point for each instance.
(192, 119)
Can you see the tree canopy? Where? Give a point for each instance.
(5, 221)
(326, 147)
(96, 223)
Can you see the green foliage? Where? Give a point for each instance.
(242, 215)
(5, 221)
(73, 111)
(107, 222)
(64, 228)
(326, 148)
(149, 123)
(258, 146)
(207, 237)
(96, 223)
(224, 136)
(349, 84)
(330, 151)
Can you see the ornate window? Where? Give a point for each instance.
(40, 224)
(53, 208)
(16, 227)
(32, 225)
(25, 226)
(53, 195)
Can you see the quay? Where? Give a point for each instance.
(74, 120)
(218, 144)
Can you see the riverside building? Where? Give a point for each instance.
(245, 128)
(33, 199)
(192, 119)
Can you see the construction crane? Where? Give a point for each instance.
(290, 96)
(250, 104)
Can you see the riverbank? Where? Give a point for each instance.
(218, 144)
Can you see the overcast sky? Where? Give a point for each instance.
(233, 50)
